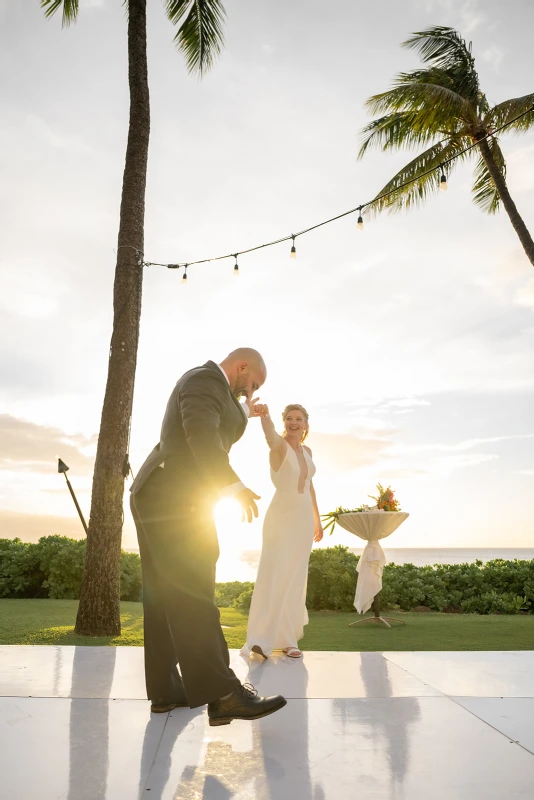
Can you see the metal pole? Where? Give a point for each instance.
(79, 510)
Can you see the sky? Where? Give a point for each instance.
(410, 343)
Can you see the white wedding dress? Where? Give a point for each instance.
(278, 610)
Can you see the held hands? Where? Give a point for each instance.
(256, 409)
(246, 498)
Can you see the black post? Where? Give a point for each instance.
(62, 467)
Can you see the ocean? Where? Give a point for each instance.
(246, 568)
(243, 567)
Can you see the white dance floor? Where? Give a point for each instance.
(358, 726)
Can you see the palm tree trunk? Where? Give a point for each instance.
(520, 228)
(99, 608)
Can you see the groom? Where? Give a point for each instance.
(172, 499)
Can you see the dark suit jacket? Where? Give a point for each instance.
(202, 421)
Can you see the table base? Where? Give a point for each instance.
(377, 618)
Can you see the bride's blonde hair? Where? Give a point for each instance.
(296, 407)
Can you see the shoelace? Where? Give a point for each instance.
(249, 690)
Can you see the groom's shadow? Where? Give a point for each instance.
(276, 766)
(159, 757)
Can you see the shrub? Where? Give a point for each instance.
(54, 568)
(20, 571)
(61, 561)
(131, 578)
(498, 586)
(227, 593)
(332, 579)
(244, 600)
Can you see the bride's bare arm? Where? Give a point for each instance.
(274, 440)
(277, 444)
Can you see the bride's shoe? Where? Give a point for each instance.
(293, 652)
(257, 649)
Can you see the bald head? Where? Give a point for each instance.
(246, 371)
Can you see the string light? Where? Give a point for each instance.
(443, 180)
(377, 199)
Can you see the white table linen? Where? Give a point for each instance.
(371, 526)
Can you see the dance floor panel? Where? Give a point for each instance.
(74, 725)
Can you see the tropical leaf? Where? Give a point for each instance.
(394, 131)
(423, 175)
(434, 108)
(446, 49)
(200, 36)
(70, 9)
(505, 112)
(442, 45)
(485, 194)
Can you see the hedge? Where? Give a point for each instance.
(54, 566)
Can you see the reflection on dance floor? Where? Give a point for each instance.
(74, 726)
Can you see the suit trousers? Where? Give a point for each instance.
(179, 551)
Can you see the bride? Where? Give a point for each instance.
(292, 523)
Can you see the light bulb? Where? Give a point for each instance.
(184, 279)
(236, 270)
(293, 253)
(360, 223)
(443, 182)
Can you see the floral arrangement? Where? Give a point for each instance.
(386, 501)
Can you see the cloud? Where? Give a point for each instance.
(466, 444)
(525, 295)
(30, 447)
(407, 402)
(493, 55)
(470, 13)
(62, 141)
(30, 527)
(347, 452)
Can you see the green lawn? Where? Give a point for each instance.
(52, 622)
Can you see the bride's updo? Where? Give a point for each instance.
(296, 407)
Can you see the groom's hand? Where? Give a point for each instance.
(247, 498)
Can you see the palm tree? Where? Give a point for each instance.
(200, 38)
(443, 106)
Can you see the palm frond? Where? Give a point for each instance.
(394, 131)
(485, 194)
(440, 44)
(446, 49)
(434, 107)
(70, 9)
(200, 36)
(505, 112)
(421, 185)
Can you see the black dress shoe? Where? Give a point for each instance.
(244, 703)
(163, 706)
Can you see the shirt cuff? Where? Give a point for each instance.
(246, 409)
(232, 490)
